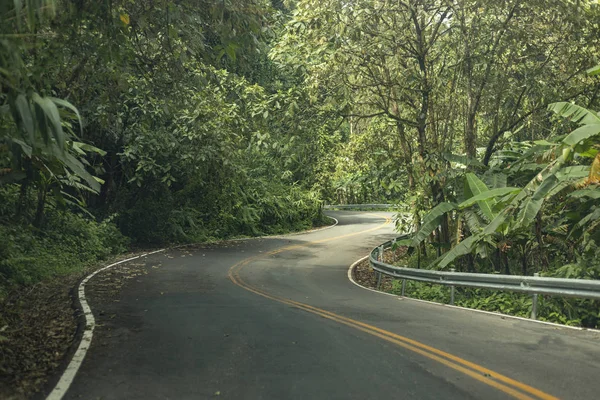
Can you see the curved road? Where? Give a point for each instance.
(277, 318)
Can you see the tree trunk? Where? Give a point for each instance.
(524, 259)
(406, 149)
(439, 240)
(438, 197)
(470, 263)
(41, 203)
(21, 202)
(538, 234)
(471, 135)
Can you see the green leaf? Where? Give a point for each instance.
(559, 188)
(66, 104)
(18, 7)
(532, 204)
(42, 123)
(593, 216)
(78, 169)
(88, 148)
(593, 71)
(487, 195)
(461, 249)
(568, 176)
(575, 113)
(31, 15)
(50, 114)
(476, 187)
(74, 201)
(528, 167)
(403, 242)
(230, 50)
(589, 193)
(431, 221)
(461, 159)
(496, 180)
(497, 222)
(27, 149)
(582, 133)
(472, 220)
(573, 173)
(24, 110)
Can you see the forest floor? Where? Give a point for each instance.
(366, 276)
(39, 325)
(38, 328)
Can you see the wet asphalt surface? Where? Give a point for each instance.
(184, 330)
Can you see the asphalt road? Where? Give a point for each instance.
(277, 318)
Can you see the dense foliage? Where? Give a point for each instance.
(478, 117)
(453, 89)
(183, 120)
(159, 120)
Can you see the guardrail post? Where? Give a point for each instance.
(534, 304)
(379, 274)
(393, 250)
(452, 289)
(532, 286)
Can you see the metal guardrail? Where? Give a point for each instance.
(355, 206)
(534, 285)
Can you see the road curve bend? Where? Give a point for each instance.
(277, 318)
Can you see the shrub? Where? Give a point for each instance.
(67, 244)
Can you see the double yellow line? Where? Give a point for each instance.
(491, 378)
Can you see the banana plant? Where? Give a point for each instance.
(505, 211)
(476, 193)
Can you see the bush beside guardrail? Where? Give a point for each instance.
(534, 285)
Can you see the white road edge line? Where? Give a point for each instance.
(68, 375)
(351, 278)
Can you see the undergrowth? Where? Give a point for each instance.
(566, 311)
(68, 241)
(68, 244)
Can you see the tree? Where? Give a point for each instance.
(451, 76)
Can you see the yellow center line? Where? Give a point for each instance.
(471, 369)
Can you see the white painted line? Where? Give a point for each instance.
(351, 278)
(68, 375)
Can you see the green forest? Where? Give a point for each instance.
(131, 124)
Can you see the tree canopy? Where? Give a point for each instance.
(179, 120)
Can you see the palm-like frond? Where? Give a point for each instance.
(575, 113)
